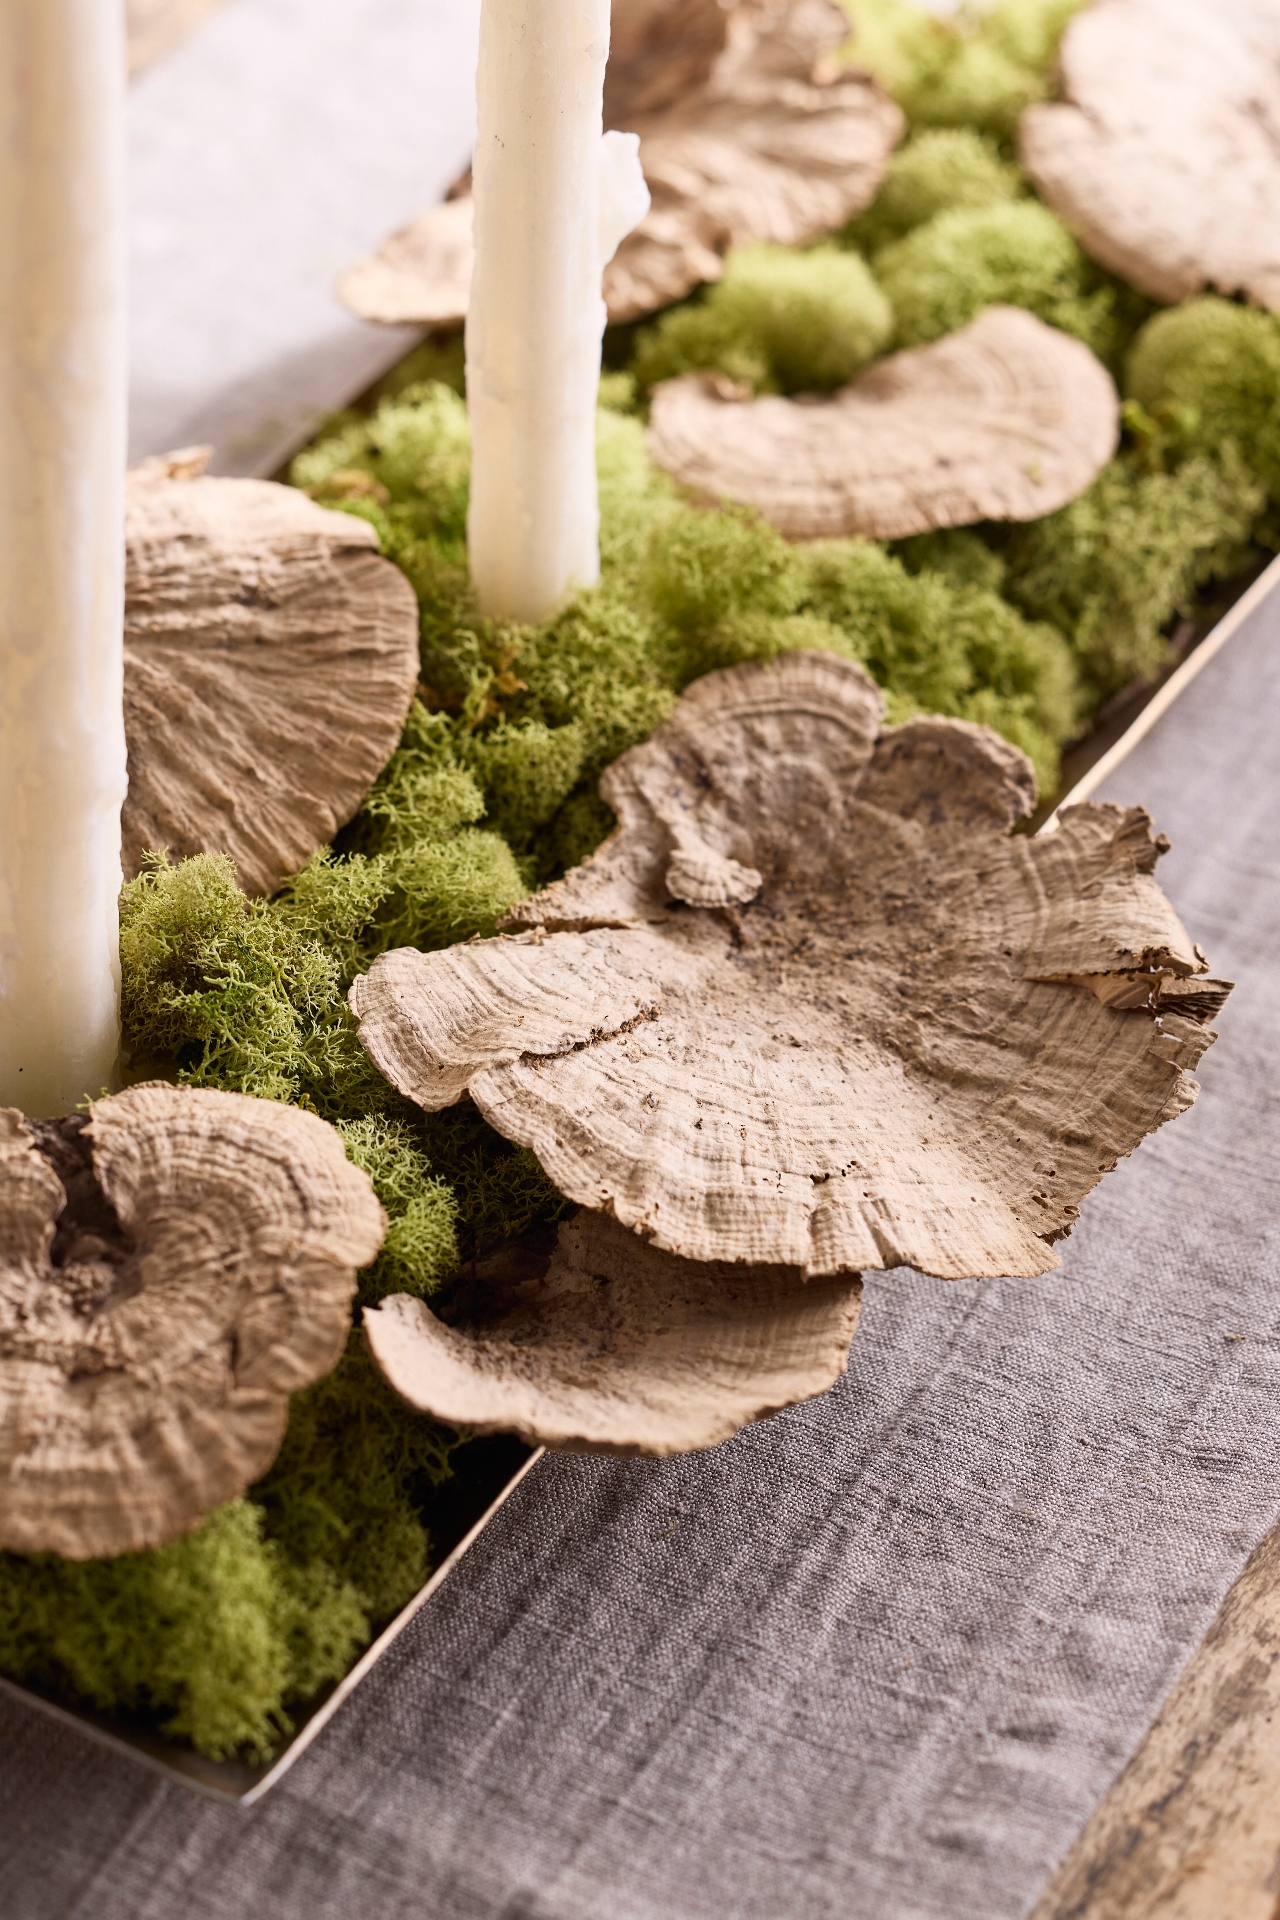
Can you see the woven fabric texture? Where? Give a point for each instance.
(880, 1655)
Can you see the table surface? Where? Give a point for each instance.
(270, 147)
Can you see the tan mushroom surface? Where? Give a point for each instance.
(659, 50)
(812, 1004)
(1164, 157)
(744, 135)
(1005, 420)
(270, 658)
(604, 1343)
(172, 1268)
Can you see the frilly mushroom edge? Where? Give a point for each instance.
(604, 1344)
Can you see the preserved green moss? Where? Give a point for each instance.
(1110, 569)
(779, 321)
(211, 1636)
(939, 645)
(938, 171)
(979, 71)
(246, 994)
(349, 1487)
(958, 554)
(1208, 373)
(734, 590)
(944, 273)
(421, 1247)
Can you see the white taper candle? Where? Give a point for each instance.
(62, 457)
(553, 198)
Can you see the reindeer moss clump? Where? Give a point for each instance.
(779, 321)
(350, 1486)
(1110, 569)
(1208, 373)
(940, 171)
(944, 273)
(210, 1636)
(979, 72)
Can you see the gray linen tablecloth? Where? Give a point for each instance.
(879, 1656)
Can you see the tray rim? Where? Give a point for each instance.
(201, 1776)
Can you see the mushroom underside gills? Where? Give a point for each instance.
(271, 655)
(739, 141)
(813, 1005)
(1007, 419)
(602, 1343)
(1163, 157)
(172, 1268)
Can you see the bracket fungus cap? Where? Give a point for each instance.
(744, 135)
(1164, 156)
(270, 658)
(1006, 419)
(171, 1269)
(883, 1058)
(610, 1345)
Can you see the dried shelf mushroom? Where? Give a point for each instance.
(745, 136)
(172, 1268)
(607, 1344)
(769, 147)
(812, 1005)
(658, 50)
(1005, 420)
(421, 274)
(1164, 157)
(270, 658)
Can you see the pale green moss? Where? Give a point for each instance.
(417, 446)
(1208, 372)
(979, 86)
(244, 993)
(939, 646)
(1027, 32)
(783, 322)
(526, 769)
(448, 890)
(421, 1246)
(212, 1635)
(634, 494)
(348, 1491)
(946, 272)
(958, 554)
(1114, 566)
(702, 567)
(939, 171)
(906, 47)
(444, 878)
(980, 70)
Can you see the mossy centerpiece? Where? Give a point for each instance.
(493, 792)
